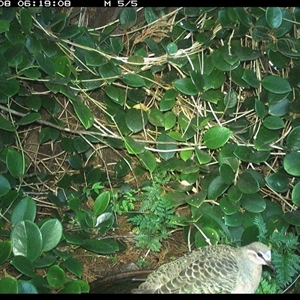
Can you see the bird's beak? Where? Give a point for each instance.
(270, 265)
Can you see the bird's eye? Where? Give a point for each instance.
(260, 254)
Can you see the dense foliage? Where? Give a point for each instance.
(199, 107)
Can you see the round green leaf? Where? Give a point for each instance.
(279, 182)
(273, 123)
(172, 48)
(101, 203)
(216, 188)
(51, 233)
(167, 147)
(292, 217)
(26, 239)
(293, 139)
(230, 99)
(80, 145)
(280, 108)
(296, 194)
(46, 63)
(56, 276)
(156, 117)
(5, 125)
(128, 17)
(185, 86)
(73, 266)
(5, 250)
(234, 220)
(23, 265)
(169, 120)
(228, 207)
(148, 160)
(202, 156)
(250, 77)
(4, 186)
(9, 87)
(132, 146)
(84, 114)
(99, 246)
(29, 118)
(24, 210)
(118, 95)
(26, 287)
(216, 137)
(273, 17)
(254, 203)
(122, 167)
(209, 233)
(133, 80)
(136, 119)
(276, 84)
(226, 173)
(234, 194)
(8, 285)
(291, 163)
(15, 163)
(75, 162)
(247, 183)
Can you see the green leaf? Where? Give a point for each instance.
(9, 87)
(216, 188)
(56, 276)
(75, 162)
(172, 48)
(291, 163)
(247, 183)
(84, 114)
(166, 146)
(276, 84)
(80, 145)
(24, 210)
(6, 125)
(4, 26)
(226, 173)
(8, 286)
(132, 146)
(136, 119)
(93, 58)
(15, 163)
(118, 95)
(273, 17)
(228, 207)
(148, 160)
(26, 287)
(128, 17)
(156, 117)
(5, 251)
(23, 265)
(279, 182)
(104, 246)
(169, 120)
(230, 99)
(122, 167)
(216, 137)
(202, 156)
(26, 20)
(254, 203)
(46, 64)
(133, 80)
(101, 203)
(296, 194)
(185, 86)
(250, 77)
(52, 231)
(292, 217)
(4, 186)
(73, 266)
(28, 119)
(75, 287)
(26, 240)
(273, 123)
(293, 139)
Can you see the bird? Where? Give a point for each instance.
(214, 269)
